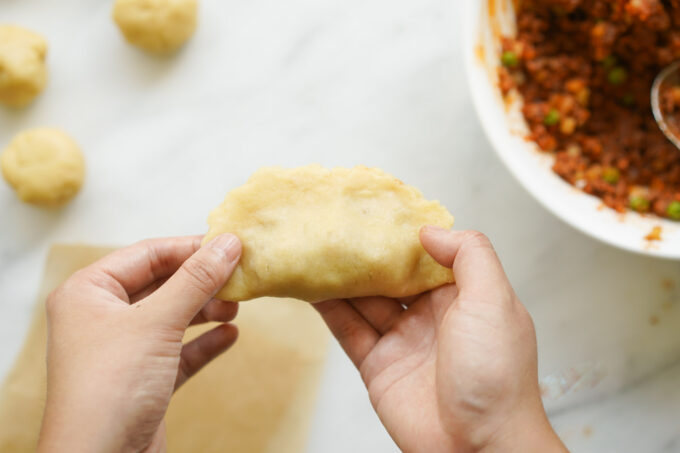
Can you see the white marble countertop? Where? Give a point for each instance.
(374, 82)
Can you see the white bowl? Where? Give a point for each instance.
(506, 129)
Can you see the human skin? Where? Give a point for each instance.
(451, 370)
(114, 348)
(454, 369)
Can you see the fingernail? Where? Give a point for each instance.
(229, 244)
(434, 229)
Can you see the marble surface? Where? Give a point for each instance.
(372, 82)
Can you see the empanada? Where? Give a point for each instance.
(314, 234)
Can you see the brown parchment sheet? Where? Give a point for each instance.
(258, 397)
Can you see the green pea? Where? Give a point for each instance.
(609, 61)
(618, 76)
(673, 210)
(639, 204)
(611, 175)
(552, 118)
(509, 59)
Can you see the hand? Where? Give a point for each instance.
(115, 353)
(455, 369)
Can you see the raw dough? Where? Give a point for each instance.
(45, 166)
(258, 397)
(157, 26)
(315, 234)
(23, 74)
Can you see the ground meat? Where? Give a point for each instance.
(670, 105)
(585, 69)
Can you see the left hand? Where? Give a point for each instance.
(115, 354)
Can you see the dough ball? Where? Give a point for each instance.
(23, 74)
(157, 26)
(45, 166)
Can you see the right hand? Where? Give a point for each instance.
(455, 369)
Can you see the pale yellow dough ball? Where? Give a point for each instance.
(45, 166)
(23, 73)
(157, 26)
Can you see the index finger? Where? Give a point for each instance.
(478, 271)
(133, 268)
(356, 336)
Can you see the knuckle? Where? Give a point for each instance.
(348, 330)
(526, 321)
(60, 297)
(144, 243)
(474, 242)
(204, 273)
(150, 248)
(56, 299)
(477, 238)
(52, 301)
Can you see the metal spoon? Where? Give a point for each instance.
(667, 78)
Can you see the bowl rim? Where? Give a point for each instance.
(499, 138)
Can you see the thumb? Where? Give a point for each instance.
(479, 273)
(198, 279)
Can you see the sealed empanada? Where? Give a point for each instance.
(314, 234)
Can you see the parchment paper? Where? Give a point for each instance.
(258, 397)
